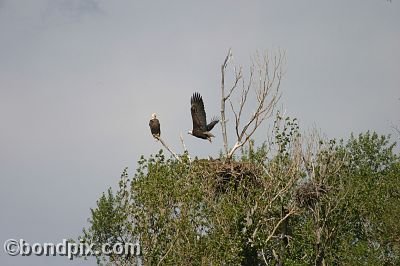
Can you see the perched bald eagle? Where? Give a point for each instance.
(155, 126)
(200, 127)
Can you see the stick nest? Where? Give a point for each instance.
(227, 175)
(309, 193)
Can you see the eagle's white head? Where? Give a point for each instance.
(153, 116)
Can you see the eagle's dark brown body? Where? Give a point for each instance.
(155, 126)
(200, 127)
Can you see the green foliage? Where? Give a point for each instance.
(109, 221)
(291, 201)
(374, 178)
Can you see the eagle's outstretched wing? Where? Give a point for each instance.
(198, 113)
(213, 122)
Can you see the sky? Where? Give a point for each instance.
(79, 80)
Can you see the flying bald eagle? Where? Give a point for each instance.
(155, 126)
(200, 127)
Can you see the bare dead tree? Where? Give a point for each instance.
(264, 80)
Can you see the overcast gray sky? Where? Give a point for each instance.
(80, 79)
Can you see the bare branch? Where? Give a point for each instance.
(166, 146)
(184, 147)
(236, 117)
(267, 96)
(245, 92)
(238, 76)
(268, 72)
(223, 99)
(291, 212)
(263, 256)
